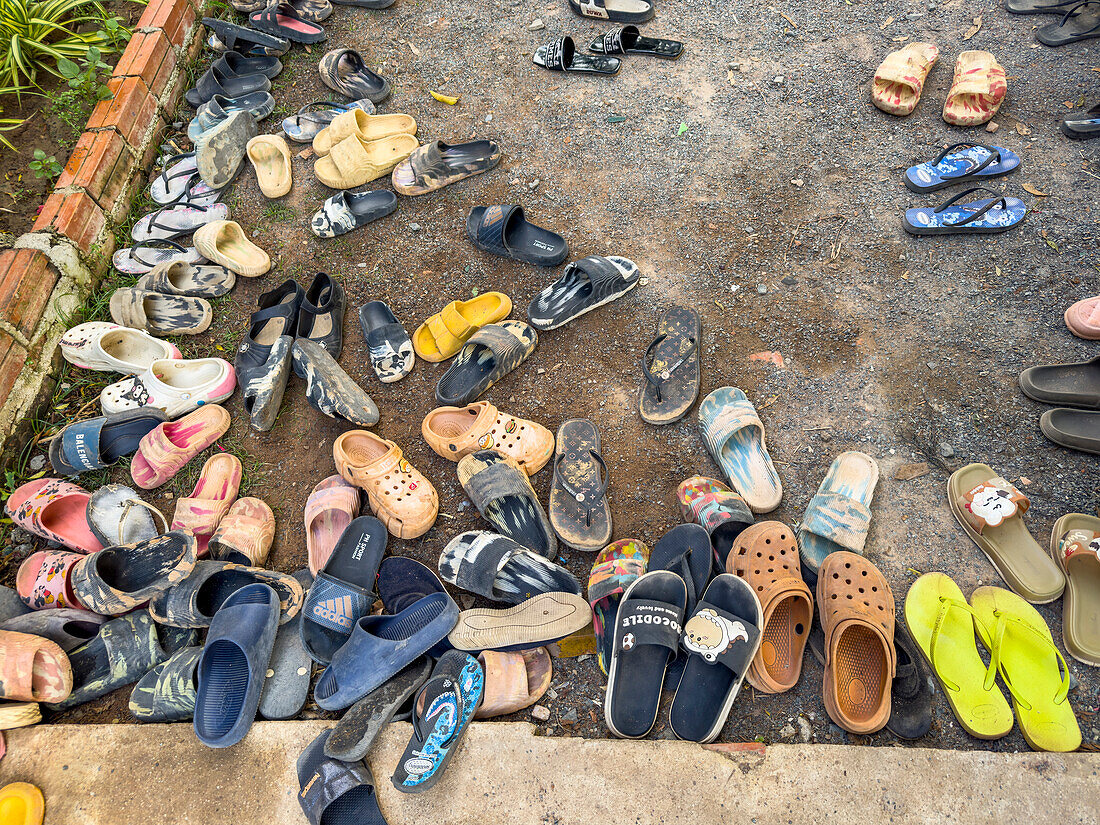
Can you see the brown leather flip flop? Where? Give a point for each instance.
(765, 555)
(513, 681)
(856, 609)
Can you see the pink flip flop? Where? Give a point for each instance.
(165, 450)
(33, 669)
(1083, 319)
(44, 580)
(329, 508)
(214, 493)
(56, 510)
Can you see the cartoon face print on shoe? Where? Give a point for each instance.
(711, 635)
(993, 504)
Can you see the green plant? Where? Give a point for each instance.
(43, 166)
(87, 82)
(36, 34)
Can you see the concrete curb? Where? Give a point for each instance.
(52, 269)
(502, 773)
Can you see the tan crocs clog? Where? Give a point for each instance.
(224, 243)
(766, 556)
(856, 609)
(367, 127)
(270, 158)
(455, 432)
(991, 510)
(398, 493)
(354, 161)
(977, 91)
(900, 78)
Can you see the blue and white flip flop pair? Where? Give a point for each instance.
(964, 163)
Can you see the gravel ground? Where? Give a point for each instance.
(776, 213)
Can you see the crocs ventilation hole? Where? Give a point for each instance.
(799, 629)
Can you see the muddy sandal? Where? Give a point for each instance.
(647, 637)
(617, 567)
(195, 601)
(290, 670)
(245, 533)
(1065, 385)
(579, 510)
(912, 690)
(1032, 668)
(501, 569)
(961, 163)
(329, 389)
(438, 164)
(117, 515)
(55, 510)
(330, 508)
(513, 681)
(182, 278)
(167, 449)
(584, 286)
(717, 509)
(160, 314)
(442, 711)
(942, 624)
(671, 367)
(1075, 543)
(341, 593)
(734, 435)
(335, 791)
(490, 354)
(500, 490)
(504, 230)
(167, 692)
(627, 40)
(838, 517)
(766, 556)
(33, 669)
(977, 90)
(899, 79)
(66, 627)
(282, 20)
(122, 578)
(345, 71)
(722, 638)
(990, 510)
(99, 442)
(215, 491)
(562, 56)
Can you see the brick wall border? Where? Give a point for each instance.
(51, 270)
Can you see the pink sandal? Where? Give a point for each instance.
(165, 450)
(214, 493)
(245, 534)
(1083, 319)
(33, 669)
(329, 509)
(56, 510)
(44, 580)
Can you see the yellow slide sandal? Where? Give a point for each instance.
(21, 804)
(942, 624)
(442, 335)
(1075, 545)
(354, 161)
(1030, 665)
(368, 127)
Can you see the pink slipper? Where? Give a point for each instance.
(33, 669)
(245, 534)
(329, 508)
(164, 451)
(44, 580)
(214, 493)
(1083, 319)
(55, 510)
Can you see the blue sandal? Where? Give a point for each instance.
(961, 163)
(986, 216)
(100, 442)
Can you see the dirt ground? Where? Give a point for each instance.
(777, 215)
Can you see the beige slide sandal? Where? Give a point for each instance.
(354, 161)
(367, 127)
(225, 243)
(1075, 545)
(900, 78)
(270, 158)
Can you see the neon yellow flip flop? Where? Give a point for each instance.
(942, 624)
(1031, 667)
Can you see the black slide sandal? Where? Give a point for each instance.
(283, 20)
(647, 637)
(504, 230)
(1076, 429)
(1067, 385)
(628, 40)
(1038, 6)
(562, 56)
(388, 344)
(341, 593)
(1080, 22)
(500, 490)
(722, 638)
(1085, 127)
(333, 791)
(245, 40)
(671, 367)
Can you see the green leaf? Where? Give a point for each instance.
(683, 128)
(39, 154)
(68, 68)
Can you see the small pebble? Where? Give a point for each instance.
(790, 280)
(488, 118)
(779, 80)
(415, 227)
(540, 713)
(946, 450)
(536, 25)
(36, 463)
(761, 289)
(534, 184)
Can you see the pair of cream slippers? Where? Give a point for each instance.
(357, 148)
(976, 93)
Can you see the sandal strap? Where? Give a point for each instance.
(839, 518)
(734, 417)
(579, 497)
(994, 156)
(731, 631)
(656, 380)
(991, 503)
(998, 640)
(946, 605)
(998, 200)
(648, 622)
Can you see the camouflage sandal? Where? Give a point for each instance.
(671, 367)
(167, 692)
(717, 509)
(490, 354)
(121, 578)
(438, 164)
(500, 490)
(194, 601)
(578, 502)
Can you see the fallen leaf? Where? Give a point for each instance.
(1025, 481)
(413, 48)
(992, 126)
(973, 30)
(1022, 129)
(305, 153)
(1029, 188)
(768, 356)
(442, 98)
(889, 20)
(907, 472)
(771, 400)
(683, 128)
(1052, 245)
(793, 24)
(1068, 104)
(899, 39)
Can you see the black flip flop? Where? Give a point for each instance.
(219, 81)
(617, 11)
(1039, 6)
(721, 637)
(628, 40)
(388, 344)
(342, 592)
(1076, 429)
(504, 230)
(1083, 128)
(1067, 385)
(244, 40)
(911, 691)
(359, 728)
(334, 791)
(578, 493)
(283, 20)
(685, 550)
(671, 367)
(647, 637)
(562, 56)
(1080, 22)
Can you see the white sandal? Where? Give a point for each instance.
(177, 387)
(106, 347)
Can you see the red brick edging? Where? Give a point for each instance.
(106, 168)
